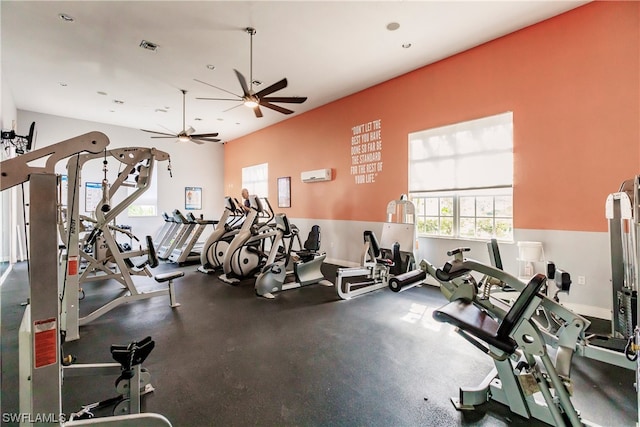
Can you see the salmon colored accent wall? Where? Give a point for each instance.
(572, 82)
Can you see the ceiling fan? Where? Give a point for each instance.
(186, 135)
(253, 99)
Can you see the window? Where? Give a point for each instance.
(256, 179)
(461, 179)
(147, 203)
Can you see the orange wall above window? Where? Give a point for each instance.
(572, 82)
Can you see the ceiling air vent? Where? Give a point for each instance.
(149, 45)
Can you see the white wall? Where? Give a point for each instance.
(7, 116)
(192, 165)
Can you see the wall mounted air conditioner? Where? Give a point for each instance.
(316, 176)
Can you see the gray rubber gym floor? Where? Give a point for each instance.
(228, 358)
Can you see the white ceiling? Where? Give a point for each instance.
(326, 49)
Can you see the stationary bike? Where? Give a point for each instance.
(305, 263)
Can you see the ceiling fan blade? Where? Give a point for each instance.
(275, 107)
(287, 99)
(189, 131)
(205, 139)
(204, 135)
(157, 133)
(216, 87)
(273, 88)
(221, 99)
(243, 82)
(231, 108)
(197, 141)
(168, 137)
(257, 112)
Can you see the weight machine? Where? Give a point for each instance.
(621, 211)
(39, 336)
(514, 339)
(388, 263)
(138, 164)
(555, 326)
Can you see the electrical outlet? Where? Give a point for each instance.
(582, 280)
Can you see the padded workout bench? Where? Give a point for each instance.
(511, 386)
(169, 277)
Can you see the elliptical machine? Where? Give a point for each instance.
(305, 267)
(215, 248)
(250, 249)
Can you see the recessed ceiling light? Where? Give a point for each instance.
(63, 84)
(117, 101)
(101, 93)
(211, 67)
(145, 44)
(112, 111)
(220, 119)
(392, 26)
(65, 17)
(256, 82)
(198, 119)
(160, 110)
(406, 45)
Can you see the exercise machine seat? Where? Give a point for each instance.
(374, 249)
(313, 239)
(494, 254)
(311, 245)
(152, 256)
(132, 354)
(476, 322)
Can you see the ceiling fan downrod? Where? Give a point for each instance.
(251, 31)
(184, 94)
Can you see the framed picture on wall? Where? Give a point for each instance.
(193, 198)
(92, 195)
(284, 192)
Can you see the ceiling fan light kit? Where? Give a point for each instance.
(186, 135)
(255, 100)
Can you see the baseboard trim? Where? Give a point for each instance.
(589, 310)
(341, 262)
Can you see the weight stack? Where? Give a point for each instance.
(627, 317)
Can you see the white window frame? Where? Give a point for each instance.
(451, 165)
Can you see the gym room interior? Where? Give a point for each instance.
(564, 75)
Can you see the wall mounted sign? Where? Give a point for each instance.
(366, 151)
(193, 198)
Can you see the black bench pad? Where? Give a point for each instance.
(471, 319)
(168, 276)
(476, 322)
